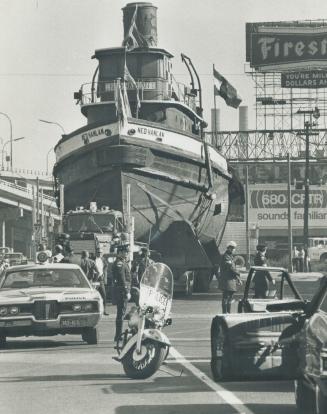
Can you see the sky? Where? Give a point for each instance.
(46, 48)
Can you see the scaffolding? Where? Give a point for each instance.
(276, 107)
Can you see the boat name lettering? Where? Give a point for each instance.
(130, 85)
(150, 131)
(95, 133)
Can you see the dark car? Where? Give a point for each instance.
(283, 344)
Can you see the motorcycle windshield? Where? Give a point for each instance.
(156, 288)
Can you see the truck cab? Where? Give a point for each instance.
(318, 249)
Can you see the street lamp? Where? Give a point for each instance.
(11, 150)
(51, 149)
(10, 124)
(308, 124)
(54, 123)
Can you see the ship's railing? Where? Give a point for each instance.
(150, 89)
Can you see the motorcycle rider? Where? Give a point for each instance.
(229, 277)
(121, 286)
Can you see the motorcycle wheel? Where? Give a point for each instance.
(147, 363)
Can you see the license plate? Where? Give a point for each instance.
(8, 324)
(73, 323)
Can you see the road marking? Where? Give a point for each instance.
(188, 339)
(229, 397)
(173, 361)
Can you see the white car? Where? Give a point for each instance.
(48, 299)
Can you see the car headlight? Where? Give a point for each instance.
(88, 307)
(77, 307)
(13, 310)
(3, 311)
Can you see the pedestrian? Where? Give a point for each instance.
(301, 258)
(140, 264)
(101, 265)
(229, 277)
(88, 266)
(58, 256)
(68, 256)
(121, 287)
(295, 260)
(261, 278)
(307, 260)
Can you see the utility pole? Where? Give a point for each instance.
(289, 213)
(248, 253)
(308, 124)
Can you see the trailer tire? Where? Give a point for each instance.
(202, 279)
(189, 284)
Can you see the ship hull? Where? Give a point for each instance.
(168, 183)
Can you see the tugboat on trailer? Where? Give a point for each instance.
(147, 130)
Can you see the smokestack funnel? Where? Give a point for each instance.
(140, 23)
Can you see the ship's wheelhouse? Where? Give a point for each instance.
(153, 93)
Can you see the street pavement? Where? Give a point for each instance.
(63, 375)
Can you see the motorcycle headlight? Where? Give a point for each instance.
(14, 310)
(158, 315)
(3, 311)
(77, 307)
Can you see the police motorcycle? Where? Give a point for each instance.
(143, 346)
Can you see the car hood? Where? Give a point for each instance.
(59, 294)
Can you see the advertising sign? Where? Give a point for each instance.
(286, 45)
(268, 206)
(313, 79)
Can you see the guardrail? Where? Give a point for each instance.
(35, 173)
(26, 190)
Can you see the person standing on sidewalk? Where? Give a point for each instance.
(101, 265)
(229, 277)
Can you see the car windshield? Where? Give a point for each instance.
(25, 279)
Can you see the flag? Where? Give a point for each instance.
(134, 38)
(129, 78)
(224, 89)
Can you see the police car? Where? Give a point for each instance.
(48, 299)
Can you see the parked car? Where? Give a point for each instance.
(277, 344)
(48, 299)
(15, 258)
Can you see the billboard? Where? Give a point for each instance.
(268, 206)
(280, 46)
(313, 79)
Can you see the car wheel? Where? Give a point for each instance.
(3, 340)
(320, 401)
(91, 336)
(304, 397)
(219, 361)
